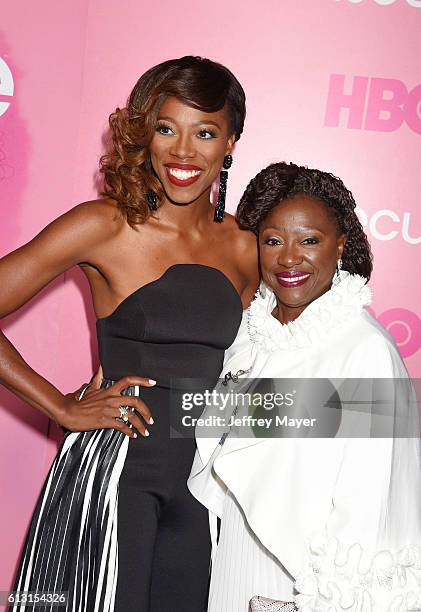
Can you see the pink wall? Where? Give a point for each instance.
(72, 64)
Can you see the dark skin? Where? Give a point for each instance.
(299, 235)
(118, 259)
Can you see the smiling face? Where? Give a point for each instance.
(188, 149)
(299, 246)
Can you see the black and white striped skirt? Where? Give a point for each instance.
(71, 545)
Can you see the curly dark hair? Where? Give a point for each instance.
(199, 83)
(283, 181)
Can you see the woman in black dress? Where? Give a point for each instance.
(115, 525)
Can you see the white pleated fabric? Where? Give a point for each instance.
(243, 567)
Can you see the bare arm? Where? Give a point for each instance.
(71, 239)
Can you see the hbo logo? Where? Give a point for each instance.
(414, 3)
(6, 85)
(381, 105)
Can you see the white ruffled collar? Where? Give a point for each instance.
(321, 318)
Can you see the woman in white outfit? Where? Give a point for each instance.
(329, 523)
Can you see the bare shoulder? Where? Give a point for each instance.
(81, 229)
(74, 236)
(96, 217)
(79, 235)
(243, 245)
(240, 247)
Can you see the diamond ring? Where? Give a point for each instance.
(123, 413)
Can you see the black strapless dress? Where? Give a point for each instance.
(115, 524)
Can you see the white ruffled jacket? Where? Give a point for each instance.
(323, 506)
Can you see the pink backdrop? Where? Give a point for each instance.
(329, 83)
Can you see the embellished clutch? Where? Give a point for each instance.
(263, 604)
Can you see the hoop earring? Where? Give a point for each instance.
(152, 200)
(223, 177)
(337, 277)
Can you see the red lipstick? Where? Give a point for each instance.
(183, 175)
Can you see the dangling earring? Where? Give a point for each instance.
(337, 277)
(223, 177)
(152, 200)
(262, 289)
